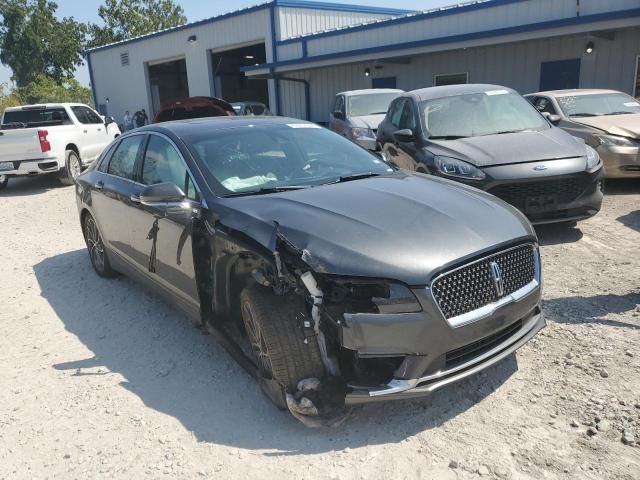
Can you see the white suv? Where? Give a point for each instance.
(50, 138)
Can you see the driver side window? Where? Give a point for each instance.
(408, 118)
(163, 163)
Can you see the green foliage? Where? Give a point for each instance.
(46, 90)
(124, 19)
(8, 98)
(34, 42)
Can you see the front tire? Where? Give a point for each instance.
(72, 168)
(274, 326)
(95, 246)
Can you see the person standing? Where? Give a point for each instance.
(127, 121)
(140, 118)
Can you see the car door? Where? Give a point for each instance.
(162, 233)
(404, 154)
(337, 124)
(111, 196)
(94, 137)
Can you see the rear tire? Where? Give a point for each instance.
(95, 246)
(72, 168)
(274, 326)
(4, 180)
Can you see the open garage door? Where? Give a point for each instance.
(168, 81)
(230, 83)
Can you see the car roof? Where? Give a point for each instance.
(197, 125)
(369, 91)
(431, 93)
(573, 92)
(43, 106)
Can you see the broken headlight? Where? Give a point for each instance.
(382, 297)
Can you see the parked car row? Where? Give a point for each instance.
(488, 137)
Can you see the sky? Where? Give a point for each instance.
(87, 11)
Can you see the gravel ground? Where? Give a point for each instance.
(102, 379)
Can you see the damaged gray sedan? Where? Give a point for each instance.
(332, 277)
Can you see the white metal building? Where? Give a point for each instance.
(296, 55)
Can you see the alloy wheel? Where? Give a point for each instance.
(94, 243)
(74, 166)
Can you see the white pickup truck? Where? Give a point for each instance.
(58, 138)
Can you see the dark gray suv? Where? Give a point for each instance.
(490, 137)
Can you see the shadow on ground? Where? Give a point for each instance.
(177, 370)
(631, 220)
(593, 309)
(622, 186)
(558, 233)
(24, 186)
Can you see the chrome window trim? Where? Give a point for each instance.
(489, 309)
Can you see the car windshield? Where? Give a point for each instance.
(260, 158)
(598, 104)
(478, 114)
(370, 104)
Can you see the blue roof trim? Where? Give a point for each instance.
(341, 7)
(596, 17)
(236, 13)
(407, 18)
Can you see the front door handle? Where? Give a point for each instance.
(135, 198)
(99, 186)
(99, 129)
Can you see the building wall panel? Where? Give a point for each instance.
(516, 65)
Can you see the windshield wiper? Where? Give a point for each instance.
(446, 137)
(584, 114)
(356, 176)
(620, 113)
(265, 190)
(511, 131)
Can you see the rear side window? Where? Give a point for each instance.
(408, 118)
(86, 115)
(104, 161)
(123, 162)
(395, 113)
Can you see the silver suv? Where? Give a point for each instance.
(356, 114)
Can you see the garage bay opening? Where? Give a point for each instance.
(168, 82)
(230, 83)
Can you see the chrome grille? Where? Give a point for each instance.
(473, 286)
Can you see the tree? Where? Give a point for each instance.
(46, 90)
(8, 98)
(34, 42)
(124, 19)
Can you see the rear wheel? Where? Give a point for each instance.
(274, 326)
(95, 246)
(4, 180)
(72, 168)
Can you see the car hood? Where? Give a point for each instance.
(507, 148)
(404, 226)
(367, 121)
(623, 125)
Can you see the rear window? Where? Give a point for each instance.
(35, 118)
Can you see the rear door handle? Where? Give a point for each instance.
(99, 129)
(135, 198)
(99, 186)
(85, 131)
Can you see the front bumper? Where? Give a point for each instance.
(620, 162)
(32, 167)
(435, 351)
(399, 389)
(556, 193)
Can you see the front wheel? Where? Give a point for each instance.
(72, 168)
(275, 329)
(4, 180)
(95, 246)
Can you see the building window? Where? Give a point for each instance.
(450, 79)
(383, 82)
(636, 86)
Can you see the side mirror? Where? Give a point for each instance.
(403, 136)
(109, 121)
(553, 119)
(338, 115)
(161, 193)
